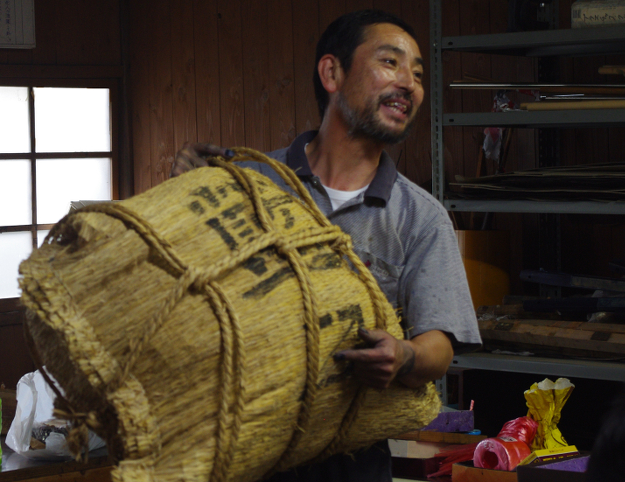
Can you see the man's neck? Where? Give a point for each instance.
(341, 161)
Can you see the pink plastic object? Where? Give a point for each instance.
(522, 428)
(500, 453)
(509, 448)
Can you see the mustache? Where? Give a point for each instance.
(395, 96)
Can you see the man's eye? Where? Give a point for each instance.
(392, 62)
(418, 75)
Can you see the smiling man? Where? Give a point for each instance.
(367, 78)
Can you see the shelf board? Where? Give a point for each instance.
(537, 119)
(556, 367)
(522, 206)
(543, 43)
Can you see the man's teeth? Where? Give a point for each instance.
(397, 105)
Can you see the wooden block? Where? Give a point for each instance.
(574, 105)
(612, 69)
(566, 337)
(444, 437)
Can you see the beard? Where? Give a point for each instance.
(364, 123)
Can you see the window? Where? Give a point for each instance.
(56, 146)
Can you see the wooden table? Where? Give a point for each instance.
(17, 467)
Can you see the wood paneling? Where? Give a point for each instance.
(256, 63)
(161, 90)
(250, 65)
(417, 147)
(183, 74)
(72, 32)
(231, 73)
(305, 37)
(282, 74)
(140, 97)
(206, 54)
(85, 33)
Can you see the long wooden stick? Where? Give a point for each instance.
(612, 69)
(605, 89)
(574, 105)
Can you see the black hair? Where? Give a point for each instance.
(341, 39)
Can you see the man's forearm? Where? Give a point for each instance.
(426, 358)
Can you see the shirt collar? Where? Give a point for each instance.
(379, 188)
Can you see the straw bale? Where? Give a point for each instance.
(193, 328)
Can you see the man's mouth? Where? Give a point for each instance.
(399, 105)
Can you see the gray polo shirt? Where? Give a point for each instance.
(406, 239)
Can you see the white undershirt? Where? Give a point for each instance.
(338, 198)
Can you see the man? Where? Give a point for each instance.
(368, 87)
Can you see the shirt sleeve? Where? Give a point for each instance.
(433, 290)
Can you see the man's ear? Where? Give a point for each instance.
(330, 73)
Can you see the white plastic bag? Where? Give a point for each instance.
(35, 402)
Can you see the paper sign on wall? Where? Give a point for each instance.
(17, 24)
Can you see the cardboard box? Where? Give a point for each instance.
(597, 13)
(486, 258)
(466, 472)
(550, 455)
(572, 469)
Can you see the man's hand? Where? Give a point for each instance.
(192, 156)
(384, 359)
(412, 362)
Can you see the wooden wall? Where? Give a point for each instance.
(72, 33)
(239, 73)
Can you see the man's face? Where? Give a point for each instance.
(382, 92)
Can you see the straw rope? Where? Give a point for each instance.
(232, 389)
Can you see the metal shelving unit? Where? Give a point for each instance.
(546, 207)
(578, 42)
(555, 367)
(608, 40)
(543, 43)
(537, 118)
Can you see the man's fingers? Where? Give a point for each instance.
(204, 149)
(366, 355)
(191, 158)
(193, 155)
(372, 337)
(372, 354)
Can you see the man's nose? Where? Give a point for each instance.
(406, 80)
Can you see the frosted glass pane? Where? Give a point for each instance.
(41, 235)
(14, 120)
(15, 193)
(72, 120)
(61, 181)
(14, 247)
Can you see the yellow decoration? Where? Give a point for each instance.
(545, 401)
